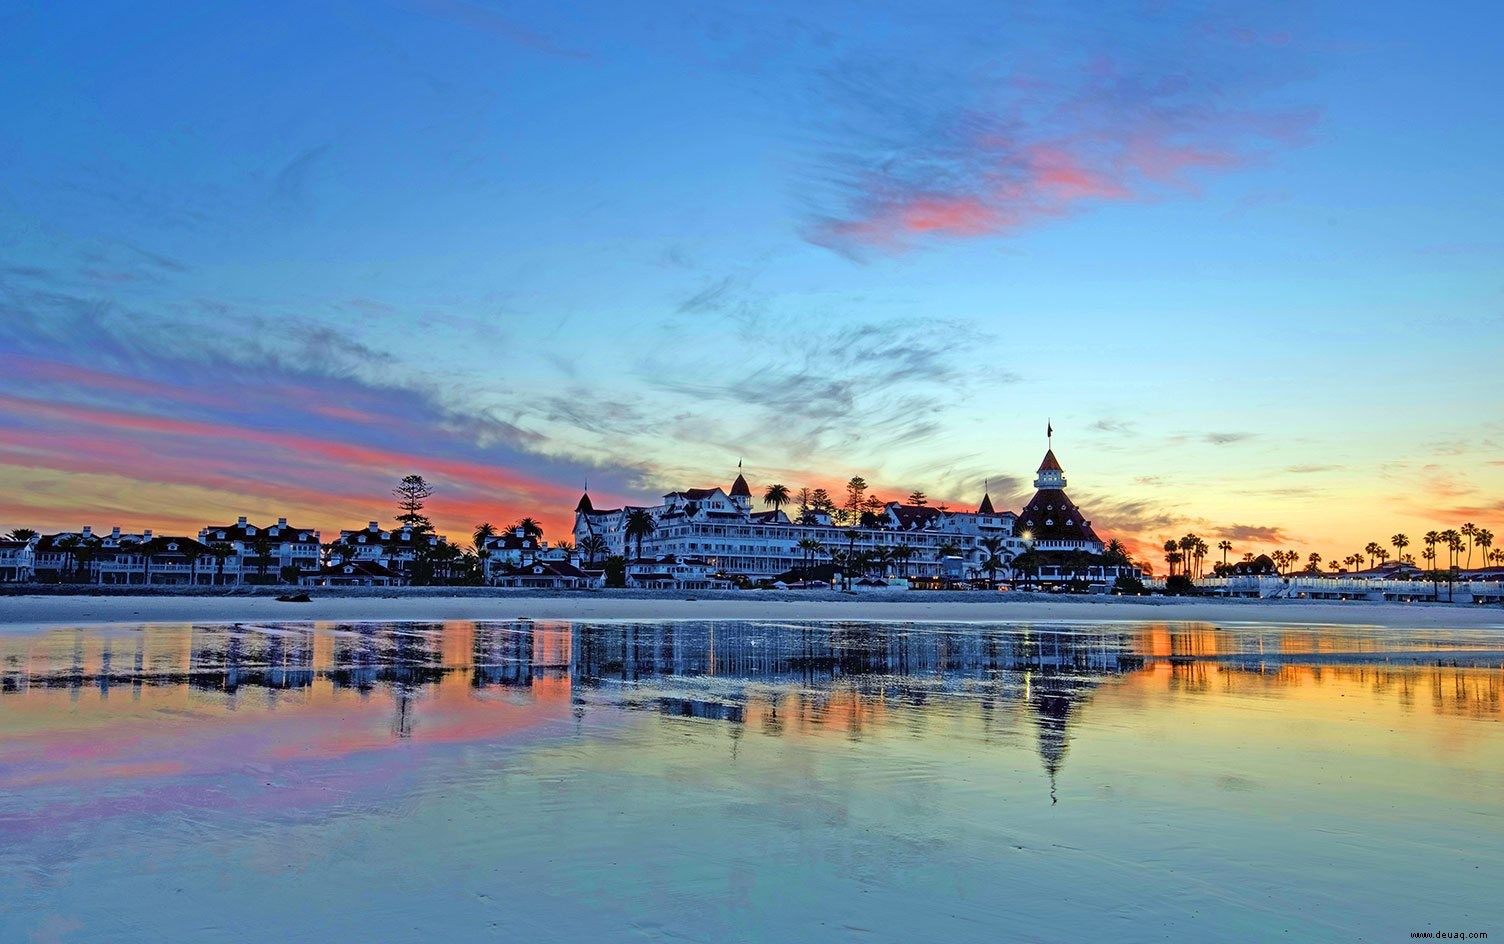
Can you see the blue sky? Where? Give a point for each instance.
(1213, 243)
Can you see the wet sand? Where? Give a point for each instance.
(19, 612)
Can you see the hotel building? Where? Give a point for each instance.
(719, 525)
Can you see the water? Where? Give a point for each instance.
(754, 781)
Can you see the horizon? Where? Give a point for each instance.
(265, 264)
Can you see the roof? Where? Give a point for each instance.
(739, 488)
(354, 569)
(584, 504)
(985, 508)
(164, 545)
(1050, 463)
(285, 533)
(1050, 516)
(543, 568)
(694, 494)
(914, 517)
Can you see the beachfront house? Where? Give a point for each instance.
(255, 554)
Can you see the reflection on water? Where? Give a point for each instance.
(748, 780)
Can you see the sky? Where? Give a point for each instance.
(265, 259)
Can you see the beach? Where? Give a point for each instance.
(22, 610)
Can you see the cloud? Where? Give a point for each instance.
(976, 142)
(303, 415)
(1265, 534)
(1226, 439)
(1310, 469)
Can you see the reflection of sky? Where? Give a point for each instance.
(794, 781)
(515, 246)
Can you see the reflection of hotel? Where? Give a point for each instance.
(720, 526)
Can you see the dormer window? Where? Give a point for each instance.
(250, 529)
(220, 535)
(172, 547)
(273, 531)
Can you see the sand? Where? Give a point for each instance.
(22, 611)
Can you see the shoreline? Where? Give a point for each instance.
(34, 609)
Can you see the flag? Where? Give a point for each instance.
(1049, 430)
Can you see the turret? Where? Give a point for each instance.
(1050, 474)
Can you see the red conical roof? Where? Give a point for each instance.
(1050, 463)
(739, 488)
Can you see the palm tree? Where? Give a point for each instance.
(1485, 539)
(22, 534)
(993, 562)
(1187, 546)
(69, 546)
(1470, 531)
(593, 546)
(1400, 542)
(776, 497)
(1224, 546)
(810, 547)
(903, 553)
(483, 532)
(220, 551)
(262, 546)
(1172, 555)
(1432, 538)
(530, 528)
(1372, 550)
(1314, 562)
(193, 552)
(640, 524)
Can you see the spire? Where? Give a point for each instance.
(584, 505)
(1051, 475)
(739, 488)
(985, 508)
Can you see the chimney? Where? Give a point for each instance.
(241, 522)
(115, 531)
(371, 526)
(281, 522)
(88, 531)
(574, 560)
(146, 535)
(518, 532)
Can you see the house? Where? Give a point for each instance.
(157, 561)
(17, 561)
(402, 551)
(543, 574)
(672, 572)
(262, 555)
(508, 550)
(350, 574)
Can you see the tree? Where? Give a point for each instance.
(1455, 545)
(592, 547)
(806, 497)
(856, 497)
(530, 527)
(483, 533)
(193, 552)
(616, 571)
(221, 552)
(1485, 539)
(1224, 546)
(1172, 555)
(993, 561)
(918, 499)
(68, 544)
(261, 545)
(902, 554)
(412, 493)
(22, 534)
(1373, 549)
(1470, 531)
(810, 547)
(1313, 563)
(640, 525)
(1400, 542)
(776, 497)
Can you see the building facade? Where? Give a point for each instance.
(926, 544)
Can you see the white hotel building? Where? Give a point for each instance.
(721, 527)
